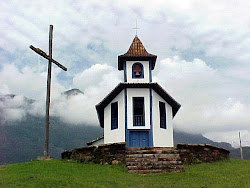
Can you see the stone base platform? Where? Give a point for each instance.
(144, 160)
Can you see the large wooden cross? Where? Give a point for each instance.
(51, 60)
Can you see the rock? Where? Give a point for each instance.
(115, 162)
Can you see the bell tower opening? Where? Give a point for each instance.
(137, 70)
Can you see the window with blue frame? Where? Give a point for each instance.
(137, 70)
(138, 111)
(162, 108)
(114, 115)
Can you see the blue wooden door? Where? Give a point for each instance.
(138, 139)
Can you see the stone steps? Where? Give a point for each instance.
(151, 150)
(153, 160)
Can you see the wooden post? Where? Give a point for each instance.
(241, 153)
(46, 145)
(51, 60)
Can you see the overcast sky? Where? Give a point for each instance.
(202, 47)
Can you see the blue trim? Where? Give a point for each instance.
(163, 117)
(126, 116)
(114, 115)
(142, 71)
(125, 71)
(151, 142)
(143, 123)
(150, 71)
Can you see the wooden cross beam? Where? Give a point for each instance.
(51, 60)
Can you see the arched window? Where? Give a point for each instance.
(137, 70)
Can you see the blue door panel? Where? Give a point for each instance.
(138, 139)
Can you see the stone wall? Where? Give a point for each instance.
(141, 160)
(148, 159)
(104, 154)
(197, 153)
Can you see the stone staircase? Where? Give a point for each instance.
(144, 160)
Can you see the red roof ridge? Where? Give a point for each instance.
(137, 49)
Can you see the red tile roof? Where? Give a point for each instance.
(136, 51)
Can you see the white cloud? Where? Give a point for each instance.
(96, 82)
(98, 74)
(28, 81)
(12, 108)
(231, 137)
(195, 86)
(88, 36)
(218, 28)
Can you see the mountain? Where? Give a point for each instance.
(73, 92)
(24, 140)
(182, 137)
(235, 153)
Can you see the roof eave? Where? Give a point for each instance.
(156, 87)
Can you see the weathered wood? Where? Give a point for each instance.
(46, 145)
(43, 54)
(51, 60)
(241, 153)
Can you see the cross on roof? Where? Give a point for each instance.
(136, 28)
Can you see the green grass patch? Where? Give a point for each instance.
(57, 173)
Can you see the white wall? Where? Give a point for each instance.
(129, 65)
(116, 135)
(161, 137)
(138, 92)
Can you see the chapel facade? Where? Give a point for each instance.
(137, 111)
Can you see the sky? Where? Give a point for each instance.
(202, 50)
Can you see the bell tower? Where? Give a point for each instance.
(137, 63)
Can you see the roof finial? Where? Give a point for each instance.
(136, 28)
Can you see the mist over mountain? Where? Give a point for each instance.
(182, 137)
(22, 136)
(73, 92)
(24, 140)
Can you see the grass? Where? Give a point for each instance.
(57, 173)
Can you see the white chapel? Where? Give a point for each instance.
(137, 111)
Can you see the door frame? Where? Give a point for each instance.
(128, 144)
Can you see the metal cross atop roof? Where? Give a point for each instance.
(136, 28)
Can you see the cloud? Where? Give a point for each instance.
(12, 108)
(207, 45)
(218, 29)
(199, 89)
(98, 74)
(96, 82)
(193, 84)
(29, 81)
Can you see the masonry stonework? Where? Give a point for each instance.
(197, 153)
(103, 154)
(144, 160)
